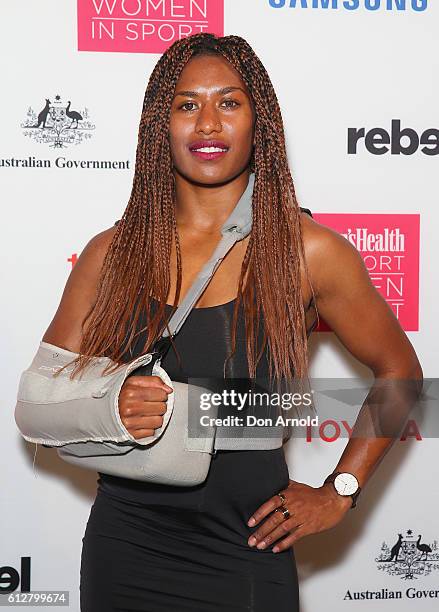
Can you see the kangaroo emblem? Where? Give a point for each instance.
(395, 549)
(42, 116)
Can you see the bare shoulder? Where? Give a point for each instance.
(79, 293)
(329, 256)
(352, 306)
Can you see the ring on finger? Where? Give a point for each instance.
(282, 497)
(284, 511)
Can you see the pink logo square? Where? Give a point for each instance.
(144, 26)
(389, 245)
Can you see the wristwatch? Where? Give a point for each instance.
(345, 484)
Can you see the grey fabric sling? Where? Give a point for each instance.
(168, 457)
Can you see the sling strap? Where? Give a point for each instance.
(235, 228)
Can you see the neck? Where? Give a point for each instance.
(204, 208)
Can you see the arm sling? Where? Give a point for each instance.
(80, 417)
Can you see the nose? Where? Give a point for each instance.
(208, 120)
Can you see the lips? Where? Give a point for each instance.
(201, 144)
(208, 149)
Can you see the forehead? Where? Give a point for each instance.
(208, 72)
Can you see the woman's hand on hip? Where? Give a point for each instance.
(312, 510)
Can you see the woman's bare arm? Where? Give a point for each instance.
(79, 294)
(351, 305)
(115, 408)
(367, 327)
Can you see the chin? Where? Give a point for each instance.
(210, 175)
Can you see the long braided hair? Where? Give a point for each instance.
(136, 265)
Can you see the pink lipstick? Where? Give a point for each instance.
(208, 149)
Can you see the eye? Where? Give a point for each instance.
(233, 102)
(185, 104)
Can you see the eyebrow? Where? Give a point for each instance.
(221, 92)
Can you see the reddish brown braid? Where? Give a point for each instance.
(136, 265)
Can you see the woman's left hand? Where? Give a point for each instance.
(311, 510)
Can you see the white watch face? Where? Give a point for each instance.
(346, 484)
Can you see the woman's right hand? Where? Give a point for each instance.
(142, 404)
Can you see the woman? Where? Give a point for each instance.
(210, 118)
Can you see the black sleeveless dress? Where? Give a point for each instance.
(156, 548)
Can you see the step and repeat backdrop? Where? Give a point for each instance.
(358, 87)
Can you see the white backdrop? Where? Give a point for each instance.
(352, 64)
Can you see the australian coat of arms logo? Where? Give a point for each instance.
(409, 557)
(58, 123)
